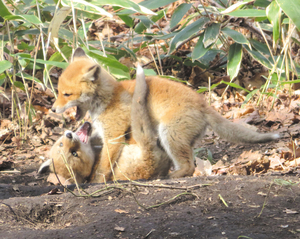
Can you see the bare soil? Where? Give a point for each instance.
(261, 206)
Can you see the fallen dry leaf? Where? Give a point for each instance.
(120, 211)
(247, 156)
(289, 211)
(295, 149)
(120, 229)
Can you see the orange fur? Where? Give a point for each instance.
(178, 115)
(143, 159)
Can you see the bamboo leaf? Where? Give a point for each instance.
(248, 13)
(87, 7)
(261, 47)
(291, 9)
(29, 18)
(236, 36)
(55, 23)
(53, 63)
(188, 31)
(130, 5)
(235, 6)
(274, 13)
(4, 65)
(259, 57)
(234, 60)
(211, 34)
(178, 14)
(4, 10)
(199, 49)
(153, 4)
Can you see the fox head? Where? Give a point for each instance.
(73, 151)
(77, 86)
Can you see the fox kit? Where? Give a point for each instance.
(178, 115)
(143, 159)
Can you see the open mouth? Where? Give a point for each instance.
(84, 132)
(78, 113)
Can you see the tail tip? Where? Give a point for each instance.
(275, 136)
(139, 70)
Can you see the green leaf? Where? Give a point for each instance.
(150, 72)
(199, 49)
(234, 60)
(290, 82)
(153, 4)
(187, 32)
(233, 85)
(291, 9)
(130, 5)
(274, 14)
(25, 46)
(226, 83)
(119, 74)
(178, 14)
(211, 34)
(248, 13)
(53, 63)
(143, 24)
(28, 18)
(261, 47)
(261, 3)
(236, 36)
(2, 80)
(109, 62)
(146, 22)
(210, 55)
(128, 20)
(19, 85)
(249, 96)
(259, 57)
(4, 65)
(29, 77)
(57, 57)
(87, 7)
(235, 6)
(4, 10)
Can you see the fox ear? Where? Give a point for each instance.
(44, 168)
(79, 52)
(93, 73)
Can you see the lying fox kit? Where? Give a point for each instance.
(72, 150)
(143, 159)
(178, 115)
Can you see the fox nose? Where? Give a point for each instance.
(53, 109)
(69, 135)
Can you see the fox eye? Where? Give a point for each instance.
(75, 154)
(67, 95)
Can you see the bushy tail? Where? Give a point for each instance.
(140, 120)
(235, 132)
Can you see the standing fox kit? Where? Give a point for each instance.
(178, 115)
(142, 159)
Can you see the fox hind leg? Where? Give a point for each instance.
(180, 153)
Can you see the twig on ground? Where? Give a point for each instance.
(266, 199)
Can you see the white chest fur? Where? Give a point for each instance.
(98, 128)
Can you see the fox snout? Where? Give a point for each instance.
(53, 109)
(69, 135)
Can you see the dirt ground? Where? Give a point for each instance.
(261, 206)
